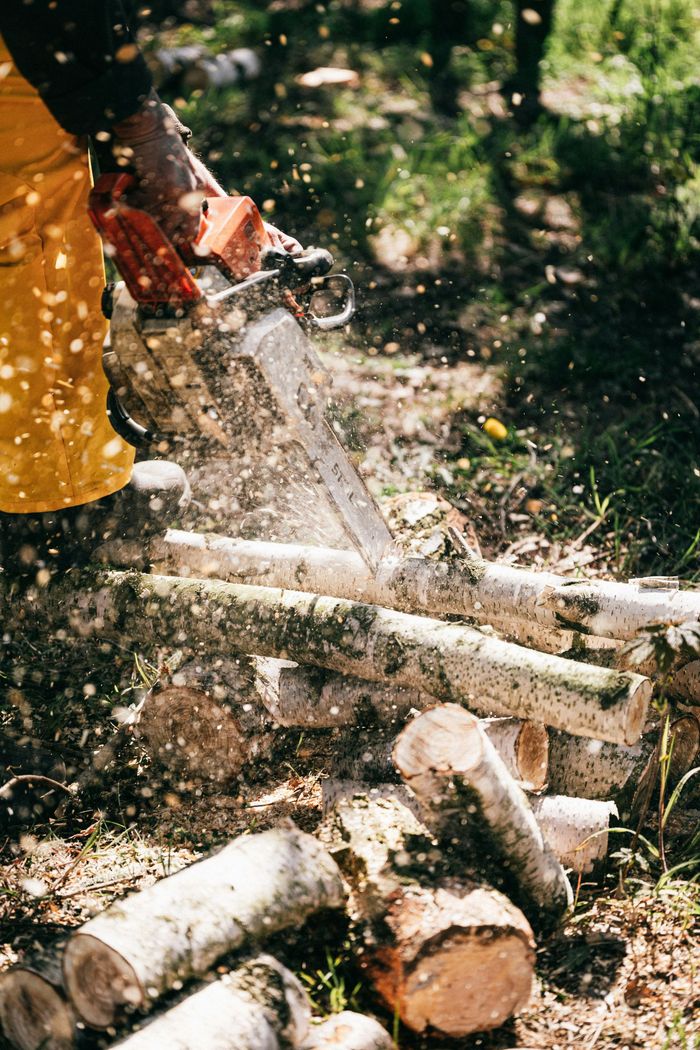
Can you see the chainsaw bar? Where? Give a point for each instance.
(221, 382)
(292, 371)
(201, 353)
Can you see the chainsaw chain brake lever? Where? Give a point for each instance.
(312, 267)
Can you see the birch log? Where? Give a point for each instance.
(297, 696)
(450, 661)
(575, 829)
(523, 747)
(348, 1031)
(139, 947)
(309, 698)
(258, 1006)
(34, 1012)
(595, 770)
(464, 787)
(449, 954)
(465, 587)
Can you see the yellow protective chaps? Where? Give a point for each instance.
(57, 448)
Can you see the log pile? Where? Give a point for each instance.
(477, 768)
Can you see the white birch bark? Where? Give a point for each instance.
(469, 586)
(139, 947)
(348, 1031)
(596, 770)
(297, 696)
(591, 768)
(426, 935)
(460, 781)
(258, 1006)
(576, 829)
(448, 660)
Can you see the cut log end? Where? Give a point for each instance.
(33, 1013)
(99, 980)
(433, 991)
(476, 933)
(636, 710)
(440, 746)
(186, 731)
(533, 755)
(685, 735)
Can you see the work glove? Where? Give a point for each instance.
(171, 186)
(172, 181)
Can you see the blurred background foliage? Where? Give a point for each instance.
(516, 183)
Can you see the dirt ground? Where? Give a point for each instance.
(623, 973)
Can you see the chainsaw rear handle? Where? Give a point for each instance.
(153, 271)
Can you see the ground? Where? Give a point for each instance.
(527, 347)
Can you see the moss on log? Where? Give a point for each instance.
(448, 660)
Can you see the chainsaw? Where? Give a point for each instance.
(208, 344)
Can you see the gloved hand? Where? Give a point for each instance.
(169, 180)
(172, 180)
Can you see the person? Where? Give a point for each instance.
(71, 71)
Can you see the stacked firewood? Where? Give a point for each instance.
(478, 766)
(113, 971)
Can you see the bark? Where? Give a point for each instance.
(426, 936)
(141, 946)
(448, 660)
(297, 696)
(462, 785)
(595, 770)
(576, 829)
(686, 683)
(34, 1013)
(348, 1031)
(307, 698)
(205, 721)
(469, 586)
(258, 1006)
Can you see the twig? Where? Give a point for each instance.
(31, 778)
(586, 533)
(98, 886)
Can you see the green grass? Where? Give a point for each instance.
(605, 393)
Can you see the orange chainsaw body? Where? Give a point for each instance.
(232, 236)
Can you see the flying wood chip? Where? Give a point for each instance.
(326, 76)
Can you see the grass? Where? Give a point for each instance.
(435, 206)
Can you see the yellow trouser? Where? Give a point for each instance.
(57, 448)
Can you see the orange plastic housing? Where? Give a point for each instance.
(231, 237)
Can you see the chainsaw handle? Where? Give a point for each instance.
(231, 236)
(153, 270)
(345, 315)
(313, 262)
